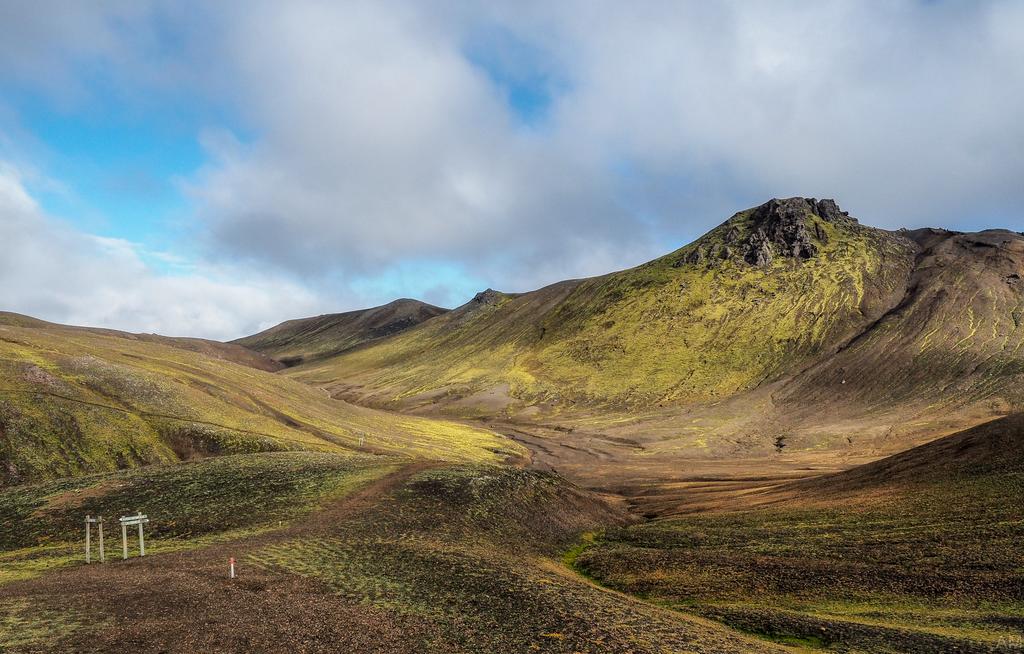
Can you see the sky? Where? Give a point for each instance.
(211, 169)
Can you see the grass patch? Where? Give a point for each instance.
(474, 550)
(24, 626)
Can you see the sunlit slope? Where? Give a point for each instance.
(765, 294)
(74, 400)
(214, 349)
(309, 339)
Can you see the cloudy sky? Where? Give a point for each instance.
(210, 169)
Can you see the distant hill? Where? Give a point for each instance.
(76, 400)
(216, 349)
(311, 339)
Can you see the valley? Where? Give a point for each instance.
(797, 433)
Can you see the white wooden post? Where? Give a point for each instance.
(231, 562)
(142, 541)
(124, 540)
(88, 540)
(100, 522)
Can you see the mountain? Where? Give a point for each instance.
(790, 326)
(76, 400)
(771, 288)
(311, 339)
(792, 290)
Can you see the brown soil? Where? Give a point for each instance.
(72, 498)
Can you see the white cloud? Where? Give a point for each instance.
(907, 112)
(378, 140)
(52, 271)
(371, 142)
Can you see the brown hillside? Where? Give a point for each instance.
(311, 339)
(993, 448)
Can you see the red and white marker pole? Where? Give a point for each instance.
(231, 562)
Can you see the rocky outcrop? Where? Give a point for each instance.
(782, 228)
(488, 297)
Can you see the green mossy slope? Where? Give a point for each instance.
(75, 401)
(696, 325)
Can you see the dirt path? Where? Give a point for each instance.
(325, 520)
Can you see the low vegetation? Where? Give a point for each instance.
(473, 552)
(25, 626)
(426, 557)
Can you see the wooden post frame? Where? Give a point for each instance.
(89, 522)
(130, 521)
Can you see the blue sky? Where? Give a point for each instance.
(528, 81)
(211, 169)
(121, 171)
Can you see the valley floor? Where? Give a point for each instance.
(920, 552)
(421, 557)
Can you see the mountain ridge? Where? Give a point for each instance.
(303, 340)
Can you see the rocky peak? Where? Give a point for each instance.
(791, 228)
(489, 296)
(781, 228)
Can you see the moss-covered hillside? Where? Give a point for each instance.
(954, 339)
(764, 294)
(74, 401)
